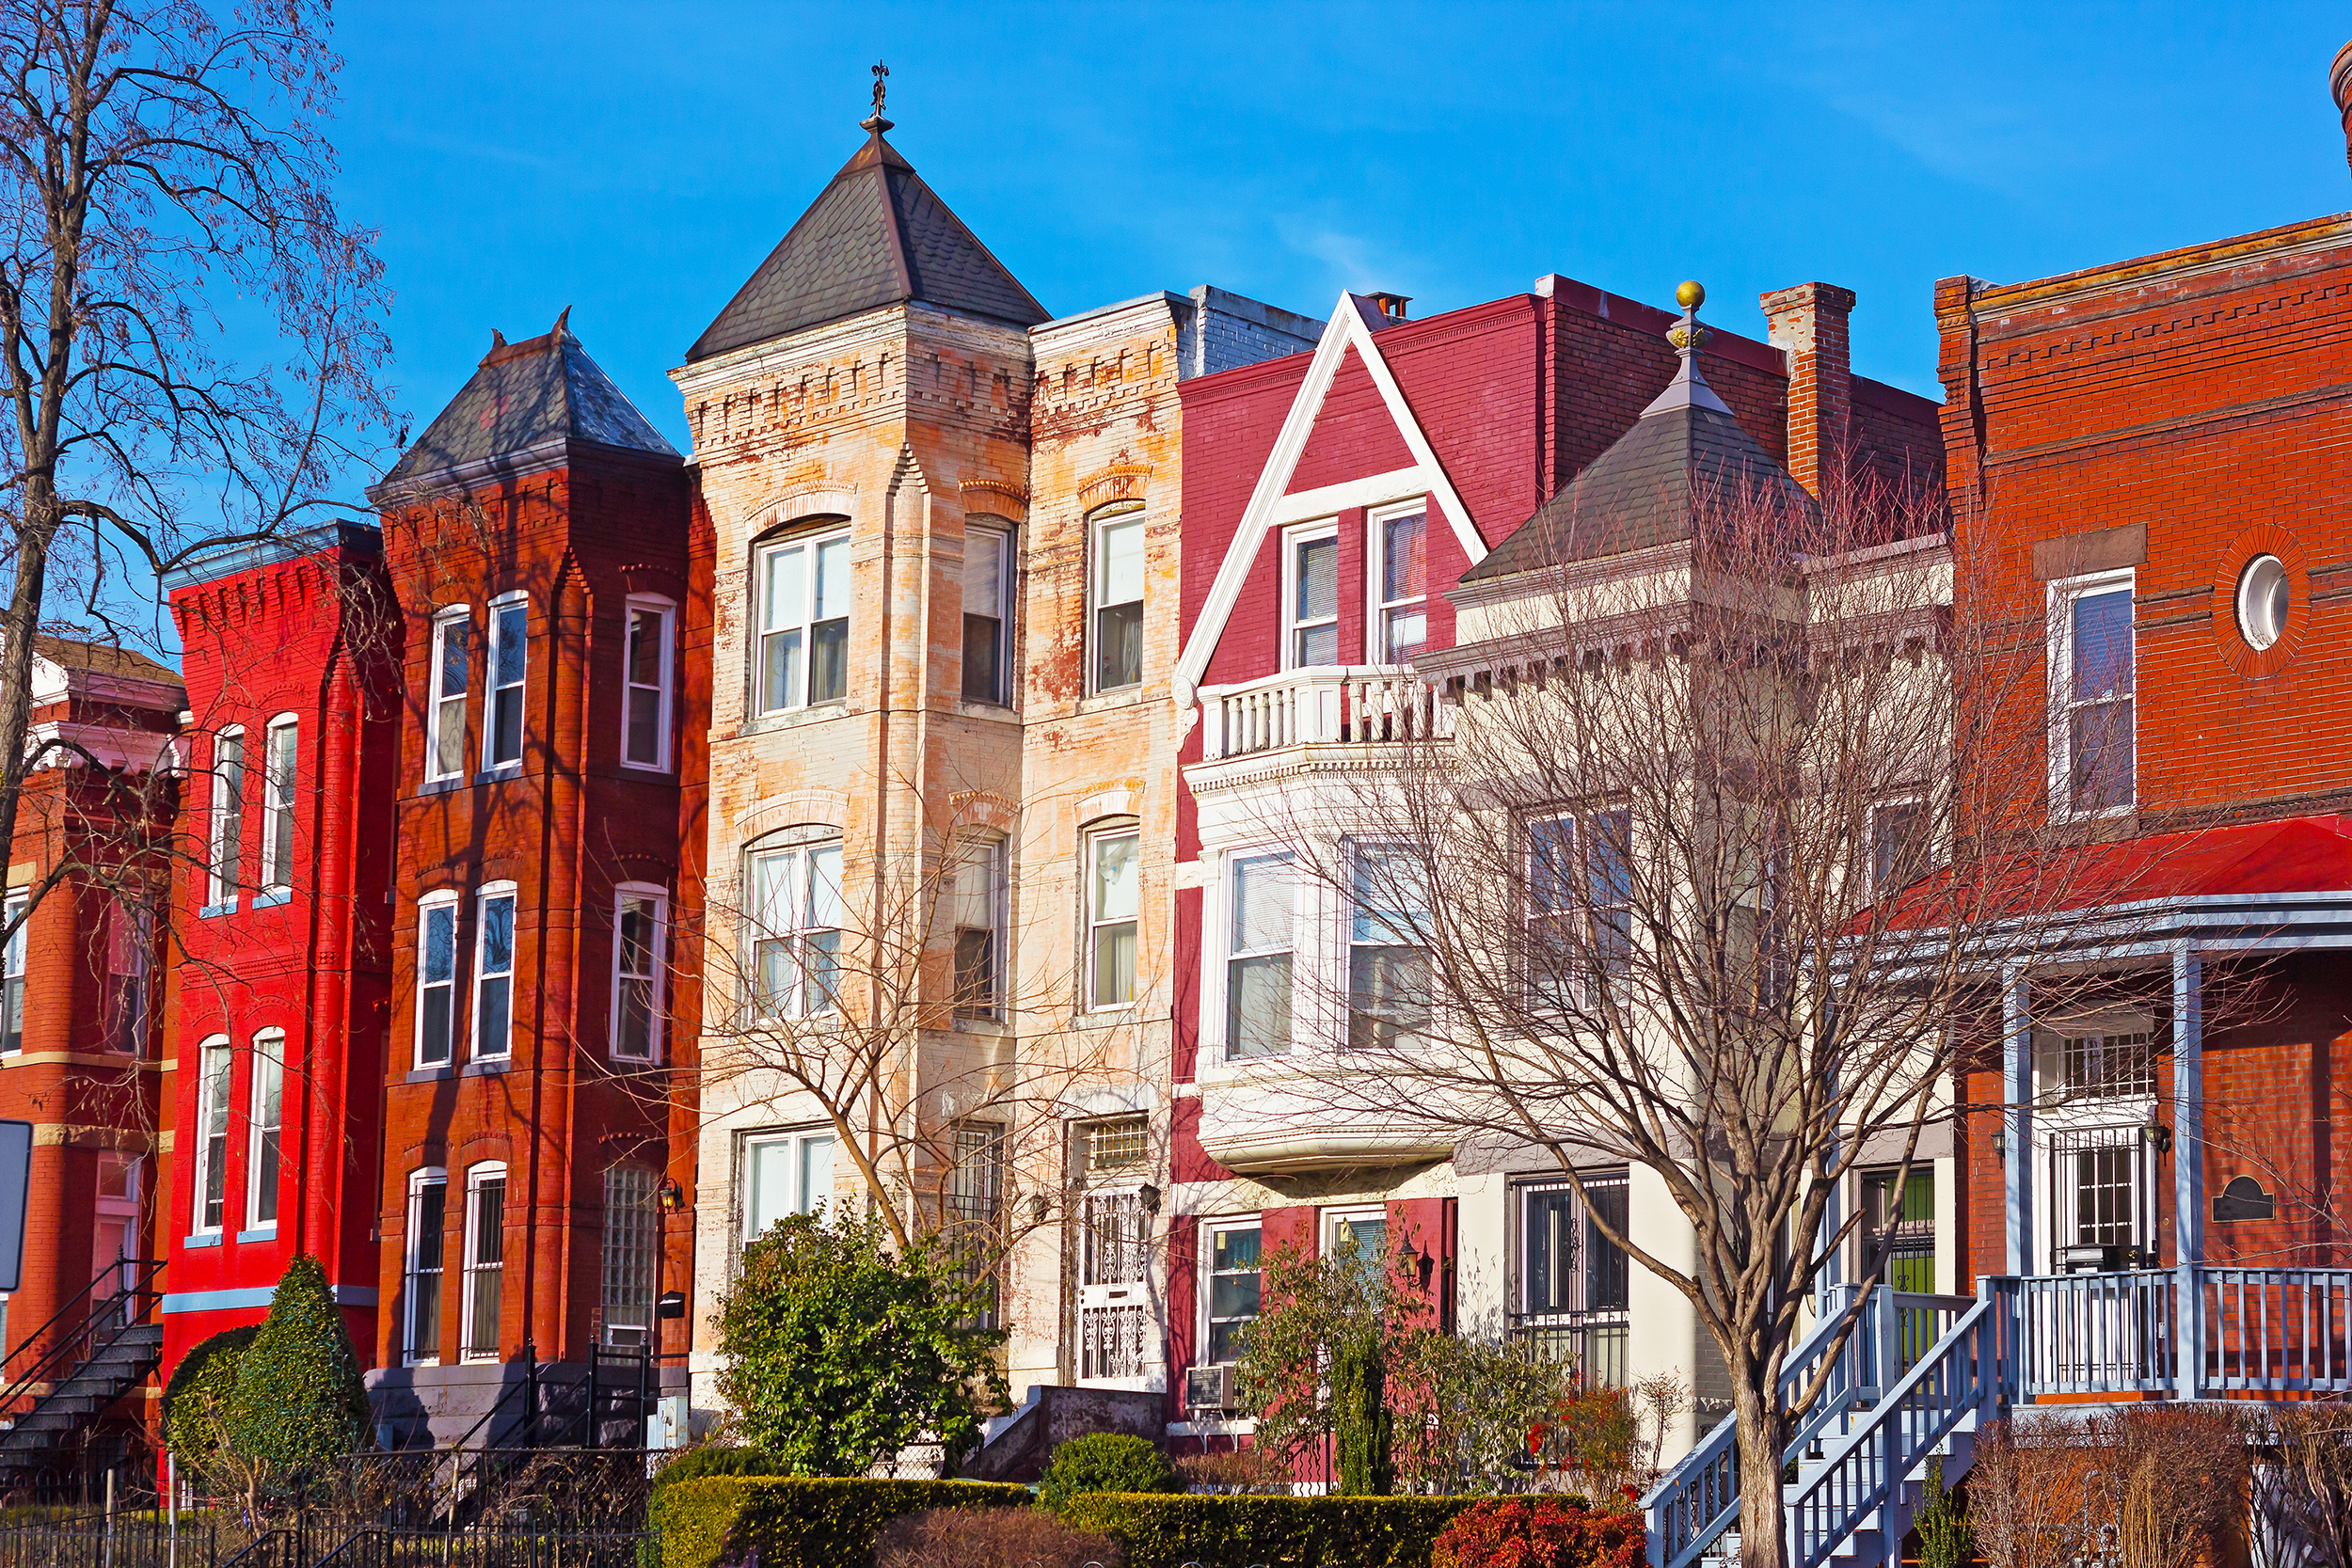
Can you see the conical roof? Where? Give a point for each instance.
(527, 404)
(1643, 490)
(877, 235)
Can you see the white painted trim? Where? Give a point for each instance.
(1350, 326)
(1399, 487)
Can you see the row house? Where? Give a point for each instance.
(942, 565)
(1361, 521)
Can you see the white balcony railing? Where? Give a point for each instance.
(1363, 704)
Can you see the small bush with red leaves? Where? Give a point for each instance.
(990, 1538)
(1539, 1532)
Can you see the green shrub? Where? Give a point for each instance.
(719, 1459)
(196, 1399)
(299, 1398)
(1540, 1532)
(1105, 1462)
(1362, 1532)
(793, 1521)
(990, 1538)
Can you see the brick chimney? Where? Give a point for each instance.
(1807, 322)
(2340, 83)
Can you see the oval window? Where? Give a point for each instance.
(2262, 601)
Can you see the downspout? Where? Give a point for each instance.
(881, 771)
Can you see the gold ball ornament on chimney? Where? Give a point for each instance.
(1687, 335)
(1689, 294)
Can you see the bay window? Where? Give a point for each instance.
(436, 977)
(647, 662)
(277, 804)
(510, 637)
(484, 1262)
(1260, 932)
(494, 972)
(428, 1203)
(446, 674)
(976, 896)
(803, 655)
(264, 1129)
(638, 947)
(228, 813)
(213, 1064)
(987, 614)
(1388, 967)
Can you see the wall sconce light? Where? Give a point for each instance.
(672, 1198)
(2157, 1137)
(1147, 1198)
(1039, 1207)
(2000, 1143)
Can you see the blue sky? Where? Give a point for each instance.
(636, 161)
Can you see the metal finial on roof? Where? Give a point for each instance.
(876, 121)
(1687, 335)
(1689, 389)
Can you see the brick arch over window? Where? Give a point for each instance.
(789, 810)
(984, 809)
(1117, 481)
(809, 503)
(1118, 800)
(985, 496)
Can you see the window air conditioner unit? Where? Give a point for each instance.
(1209, 1387)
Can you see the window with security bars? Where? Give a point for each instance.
(1900, 1229)
(974, 1197)
(2102, 1182)
(1571, 1285)
(485, 1262)
(1113, 1341)
(1116, 1144)
(2107, 1067)
(428, 1194)
(632, 1240)
(1116, 1247)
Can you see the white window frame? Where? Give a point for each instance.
(279, 779)
(265, 1126)
(805, 620)
(1210, 1230)
(444, 707)
(2063, 702)
(1375, 578)
(412, 1268)
(445, 900)
(1229, 937)
(213, 1088)
(1293, 539)
(493, 688)
(1877, 880)
(125, 1006)
(802, 847)
(477, 1178)
(478, 1048)
(1114, 515)
(1095, 926)
(1358, 854)
(985, 857)
(1329, 1222)
(224, 845)
(657, 964)
(13, 976)
(989, 534)
(794, 1141)
(666, 675)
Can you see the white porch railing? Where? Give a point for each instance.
(2287, 1329)
(1366, 704)
(2097, 1333)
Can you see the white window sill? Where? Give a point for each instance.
(259, 1233)
(498, 771)
(792, 718)
(227, 906)
(272, 898)
(206, 1238)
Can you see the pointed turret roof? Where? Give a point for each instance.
(527, 404)
(877, 235)
(1643, 490)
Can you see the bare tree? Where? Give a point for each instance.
(1711, 856)
(878, 990)
(168, 196)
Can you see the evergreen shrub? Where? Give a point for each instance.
(1105, 1462)
(1162, 1531)
(800, 1522)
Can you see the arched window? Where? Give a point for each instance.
(1111, 878)
(266, 1130)
(485, 1262)
(494, 973)
(445, 693)
(278, 809)
(510, 644)
(213, 1064)
(228, 825)
(987, 610)
(801, 587)
(792, 924)
(436, 978)
(428, 1215)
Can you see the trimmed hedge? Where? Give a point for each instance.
(800, 1522)
(719, 1459)
(1169, 1531)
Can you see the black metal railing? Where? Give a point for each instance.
(125, 1539)
(92, 1320)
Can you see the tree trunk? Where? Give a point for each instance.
(1763, 1536)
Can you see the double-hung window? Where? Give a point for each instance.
(975, 894)
(785, 1173)
(228, 825)
(485, 1262)
(987, 614)
(1579, 901)
(12, 979)
(436, 978)
(1388, 967)
(213, 1064)
(277, 804)
(130, 940)
(632, 1231)
(1234, 1294)
(1897, 854)
(510, 646)
(428, 1203)
(2092, 746)
(638, 944)
(1115, 584)
(645, 692)
(445, 680)
(1570, 1291)
(795, 924)
(1401, 613)
(494, 972)
(1113, 875)
(804, 588)
(265, 1134)
(1311, 596)
(1258, 957)
(975, 1209)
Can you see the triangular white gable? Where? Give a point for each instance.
(1351, 326)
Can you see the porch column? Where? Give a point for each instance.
(2188, 1160)
(2017, 1117)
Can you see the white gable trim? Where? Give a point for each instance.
(1397, 485)
(1350, 327)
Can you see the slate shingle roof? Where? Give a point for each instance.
(529, 397)
(1642, 490)
(877, 235)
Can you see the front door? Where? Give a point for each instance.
(1117, 1335)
